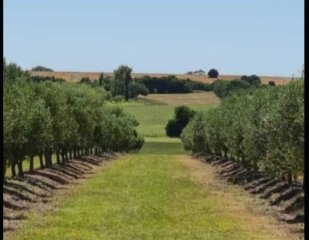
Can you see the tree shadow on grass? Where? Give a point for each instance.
(26, 188)
(12, 205)
(17, 194)
(17, 217)
(56, 178)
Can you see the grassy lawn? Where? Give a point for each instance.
(146, 195)
(154, 114)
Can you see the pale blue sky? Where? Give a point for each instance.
(263, 37)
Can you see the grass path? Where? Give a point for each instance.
(154, 194)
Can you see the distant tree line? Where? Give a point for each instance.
(41, 69)
(44, 79)
(172, 84)
(168, 84)
(225, 88)
(122, 86)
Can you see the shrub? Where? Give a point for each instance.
(181, 118)
(85, 80)
(253, 80)
(225, 88)
(220, 88)
(173, 128)
(213, 73)
(118, 98)
(136, 89)
(41, 69)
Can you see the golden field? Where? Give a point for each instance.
(76, 76)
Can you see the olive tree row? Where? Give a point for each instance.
(262, 129)
(65, 119)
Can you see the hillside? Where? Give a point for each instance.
(76, 76)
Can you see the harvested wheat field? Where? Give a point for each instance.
(76, 76)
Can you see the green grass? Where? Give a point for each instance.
(152, 116)
(146, 195)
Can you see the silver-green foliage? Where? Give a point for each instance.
(62, 118)
(263, 129)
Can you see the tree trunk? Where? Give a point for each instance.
(289, 177)
(13, 169)
(48, 159)
(41, 161)
(20, 168)
(255, 166)
(304, 180)
(126, 91)
(237, 160)
(4, 168)
(31, 160)
(70, 155)
(58, 156)
(63, 158)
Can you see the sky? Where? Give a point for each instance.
(263, 37)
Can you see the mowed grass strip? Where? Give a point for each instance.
(208, 99)
(141, 196)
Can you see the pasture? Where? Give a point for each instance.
(154, 110)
